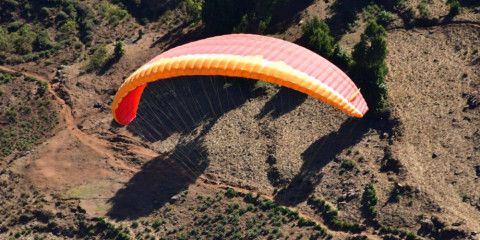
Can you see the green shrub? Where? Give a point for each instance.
(194, 9)
(14, 26)
(374, 12)
(410, 236)
(230, 193)
(43, 41)
(384, 17)
(44, 12)
(395, 194)
(67, 30)
(23, 40)
(97, 59)
(423, 10)
(347, 165)
(370, 198)
(455, 8)
(5, 42)
(115, 15)
(71, 11)
(119, 50)
(61, 16)
(318, 35)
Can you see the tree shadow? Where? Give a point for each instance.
(177, 37)
(287, 14)
(325, 149)
(319, 154)
(344, 16)
(150, 10)
(181, 104)
(281, 103)
(159, 180)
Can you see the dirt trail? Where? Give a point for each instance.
(96, 144)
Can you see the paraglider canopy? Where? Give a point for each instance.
(248, 56)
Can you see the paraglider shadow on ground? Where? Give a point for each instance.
(158, 181)
(281, 103)
(189, 106)
(319, 154)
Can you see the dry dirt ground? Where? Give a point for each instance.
(207, 134)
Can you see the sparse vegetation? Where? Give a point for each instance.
(28, 118)
(330, 216)
(370, 199)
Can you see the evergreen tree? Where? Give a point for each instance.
(369, 68)
(318, 35)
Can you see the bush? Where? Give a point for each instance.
(115, 15)
(43, 41)
(98, 59)
(61, 16)
(194, 10)
(5, 43)
(373, 12)
(347, 165)
(384, 17)
(44, 12)
(455, 8)
(119, 50)
(23, 40)
(422, 8)
(67, 30)
(14, 26)
(318, 35)
(371, 199)
(395, 194)
(230, 193)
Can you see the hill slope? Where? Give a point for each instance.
(166, 174)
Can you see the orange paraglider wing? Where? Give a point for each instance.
(248, 56)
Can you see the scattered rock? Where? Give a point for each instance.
(434, 155)
(426, 225)
(98, 105)
(477, 170)
(473, 100)
(271, 160)
(175, 198)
